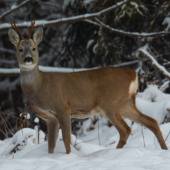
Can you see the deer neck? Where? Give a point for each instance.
(31, 80)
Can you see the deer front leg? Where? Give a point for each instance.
(52, 126)
(65, 123)
(53, 129)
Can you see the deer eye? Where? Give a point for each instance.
(33, 49)
(20, 50)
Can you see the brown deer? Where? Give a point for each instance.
(58, 97)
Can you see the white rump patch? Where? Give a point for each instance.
(133, 86)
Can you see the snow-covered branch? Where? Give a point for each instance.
(16, 71)
(14, 8)
(162, 69)
(126, 32)
(7, 50)
(85, 17)
(43, 23)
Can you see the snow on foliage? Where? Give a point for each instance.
(36, 120)
(22, 139)
(90, 42)
(166, 21)
(153, 94)
(145, 52)
(13, 6)
(28, 116)
(95, 48)
(164, 86)
(154, 103)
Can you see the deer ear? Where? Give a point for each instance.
(13, 36)
(38, 35)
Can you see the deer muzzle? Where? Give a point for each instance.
(28, 60)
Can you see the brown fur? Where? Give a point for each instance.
(56, 97)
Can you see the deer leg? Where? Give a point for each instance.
(52, 126)
(53, 129)
(122, 127)
(131, 112)
(65, 123)
(151, 124)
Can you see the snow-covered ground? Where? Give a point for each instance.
(94, 146)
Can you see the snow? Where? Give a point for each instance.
(13, 6)
(42, 68)
(165, 85)
(36, 120)
(95, 48)
(95, 149)
(88, 1)
(166, 21)
(63, 70)
(28, 116)
(90, 42)
(156, 103)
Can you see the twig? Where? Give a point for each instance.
(38, 133)
(3, 133)
(15, 117)
(134, 34)
(98, 133)
(167, 136)
(155, 142)
(85, 141)
(26, 112)
(6, 126)
(14, 9)
(143, 135)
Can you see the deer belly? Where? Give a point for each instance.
(82, 113)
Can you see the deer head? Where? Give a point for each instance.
(27, 53)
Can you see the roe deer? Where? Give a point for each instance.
(58, 97)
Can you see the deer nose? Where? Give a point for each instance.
(28, 59)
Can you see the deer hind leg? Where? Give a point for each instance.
(131, 112)
(122, 127)
(53, 129)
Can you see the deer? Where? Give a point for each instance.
(58, 97)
